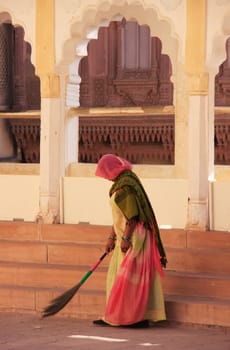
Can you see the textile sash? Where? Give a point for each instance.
(128, 297)
(133, 201)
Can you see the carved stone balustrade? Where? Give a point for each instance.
(140, 139)
(222, 139)
(26, 133)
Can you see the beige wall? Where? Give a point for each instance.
(221, 205)
(87, 200)
(19, 197)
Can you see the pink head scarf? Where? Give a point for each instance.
(110, 166)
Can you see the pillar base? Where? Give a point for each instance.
(197, 215)
(49, 217)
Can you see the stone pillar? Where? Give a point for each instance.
(51, 118)
(198, 116)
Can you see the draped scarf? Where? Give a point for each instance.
(134, 203)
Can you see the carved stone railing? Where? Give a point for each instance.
(140, 139)
(26, 133)
(222, 139)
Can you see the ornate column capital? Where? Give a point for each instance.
(198, 83)
(195, 47)
(45, 51)
(50, 85)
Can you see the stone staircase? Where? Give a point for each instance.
(38, 262)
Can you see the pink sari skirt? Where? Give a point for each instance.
(129, 297)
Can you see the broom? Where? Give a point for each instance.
(62, 300)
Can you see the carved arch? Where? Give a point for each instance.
(102, 15)
(125, 67)
(19, 91)
(222, 80)
(19, 86)
(222, 119)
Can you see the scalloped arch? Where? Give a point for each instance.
(8, 16)
(218, 52)
(93, 17)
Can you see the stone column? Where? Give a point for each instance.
(198, 115)
(51, 118)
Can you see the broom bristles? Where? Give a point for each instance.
(60, 302)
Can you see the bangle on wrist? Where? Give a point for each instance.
(126, 239)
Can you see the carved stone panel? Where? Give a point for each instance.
(222, 139)
(27, 136)
(141, 140)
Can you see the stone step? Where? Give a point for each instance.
(199, 260)
(196, 285)
(19, 231)
(206, 311)
(39, 261)
(63, 276)
(176, 238)
(85, 253)
(50, 252)
(90, 305)
(198, 311)
(75, 233)
(86, 304)
(49, 276)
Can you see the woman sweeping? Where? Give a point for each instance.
(133, 287)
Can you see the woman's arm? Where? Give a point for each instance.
(127, 236)
(111, 241)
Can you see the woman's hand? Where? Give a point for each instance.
(110, 245)
(125, 245)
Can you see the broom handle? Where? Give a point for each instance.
(84, 278)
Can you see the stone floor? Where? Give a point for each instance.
(30, 332)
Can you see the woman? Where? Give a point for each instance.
(133, 287)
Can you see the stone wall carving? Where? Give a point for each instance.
(27, 136)
(222, 139)
(140, 139)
